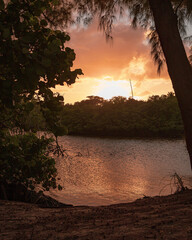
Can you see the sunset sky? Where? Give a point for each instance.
(107, 67)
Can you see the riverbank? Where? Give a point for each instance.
(166, 217)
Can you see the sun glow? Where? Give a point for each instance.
(111, 88)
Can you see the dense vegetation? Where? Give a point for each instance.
(167, 22)
(33, 60)
(121, 117)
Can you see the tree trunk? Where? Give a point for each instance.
(179, 68)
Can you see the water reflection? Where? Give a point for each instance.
(106, 171)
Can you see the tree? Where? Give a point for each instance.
(167, 21)
(178, 65)
(121, 117)
(33, 61)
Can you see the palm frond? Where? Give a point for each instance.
(156, 49)
(140, 14)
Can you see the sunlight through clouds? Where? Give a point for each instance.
(108, 68)
(135, 68)
(109, 89)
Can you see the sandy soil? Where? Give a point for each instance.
(167, 217)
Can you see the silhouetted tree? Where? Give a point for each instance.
(167, 20)
(33, 61)
(122, 117)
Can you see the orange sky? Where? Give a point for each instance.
(107, 67)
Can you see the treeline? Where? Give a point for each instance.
(159, 116)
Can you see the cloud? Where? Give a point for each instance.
(98, 58)
(134, 70)
(127, 57)
(145, 93)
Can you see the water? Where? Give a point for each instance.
(107, 171)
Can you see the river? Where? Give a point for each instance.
(100, 171)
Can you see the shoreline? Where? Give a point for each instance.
(160, 217)
(126, 137)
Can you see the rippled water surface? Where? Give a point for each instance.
(106, 171)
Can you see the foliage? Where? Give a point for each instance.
(168, 20)
(33, 57)
(33, 61)
(137, 12)
(157, 117)
(25, 159)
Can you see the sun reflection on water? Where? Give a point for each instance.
(112, 171)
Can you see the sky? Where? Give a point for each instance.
(108, 67)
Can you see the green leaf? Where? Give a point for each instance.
(59, 130)
(57, 42)
(46, 62)
(79, 71)
(29, 106)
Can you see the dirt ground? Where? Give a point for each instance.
(167, 217)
